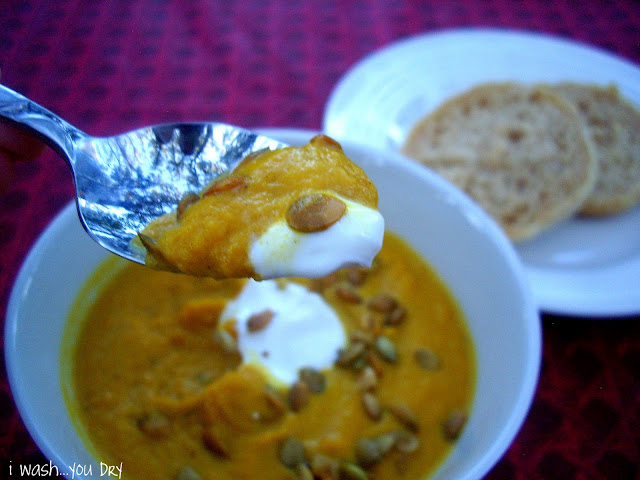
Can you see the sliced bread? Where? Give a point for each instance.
(613, 126)
(520, 151)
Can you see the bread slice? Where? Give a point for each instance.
(520, 151)
(613, 126)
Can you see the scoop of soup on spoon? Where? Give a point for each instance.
(128, 186)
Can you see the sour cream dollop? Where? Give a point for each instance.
(355, 239)
(304, 330)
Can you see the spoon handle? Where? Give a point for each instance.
(27, 115)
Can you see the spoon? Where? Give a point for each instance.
(126, 181)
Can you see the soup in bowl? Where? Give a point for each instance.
(418, 387)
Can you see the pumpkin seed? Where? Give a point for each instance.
(427, 359)
(348, 294)
(292, 452)
(225, 184)
(368, 452)
(372, 406)
(325, 140)
(356, 276)
(358, 335)
(274, 399)
(149, 243)
(374, 362)
(314, 379)
(406, 442)
(315, 212)
(185, 202)
(259, 321)
(299, 396)
(252, 156)
(187, 473)
(348, 355)
(324, 467)
(386, 349)
(154, 425)
(320, 284)
(214, 444)
(368, 379)
(303, 472)
(153, 249)
(453, 425)
(397, 316)
(368, 322)
(359, 363)
(382, 303)
(223, 338)
(351, 471)
(387, 440)
(403, 413)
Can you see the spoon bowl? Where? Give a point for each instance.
(125, 181)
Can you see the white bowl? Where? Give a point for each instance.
(450, 231)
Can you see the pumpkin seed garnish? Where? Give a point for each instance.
(453, 425)
(348, 294)
(351, 471)
(187, 473)
(214, 444)
(387, 440)
(368, 379)
(299, 396)
(386, 349)
(403, 413)
(325, 467)
(382, 303)
(314, 379)
(356, 276)
(226, 340)
(151, 245)
(274, 399)
(372, 406)
(225, 184)
(368, 452)
(315, 212)
(374, 362)
(303, 472)
(348, 355)
(358, 335)
(185, 202)
(406, 442)
(259, 321)
(292, 452)
(427, 359)
(397, 316)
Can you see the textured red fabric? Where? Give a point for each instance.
(108, 66)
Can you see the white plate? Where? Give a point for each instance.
(583, 267)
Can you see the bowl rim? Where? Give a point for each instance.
(492, 453)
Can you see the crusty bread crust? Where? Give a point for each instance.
(613, 126)
(520, 151)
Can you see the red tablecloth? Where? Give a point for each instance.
(110, 66)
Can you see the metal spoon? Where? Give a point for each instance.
(124, 182)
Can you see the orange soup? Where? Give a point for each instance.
(158, 386)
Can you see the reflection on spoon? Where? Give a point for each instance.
(126, 181)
